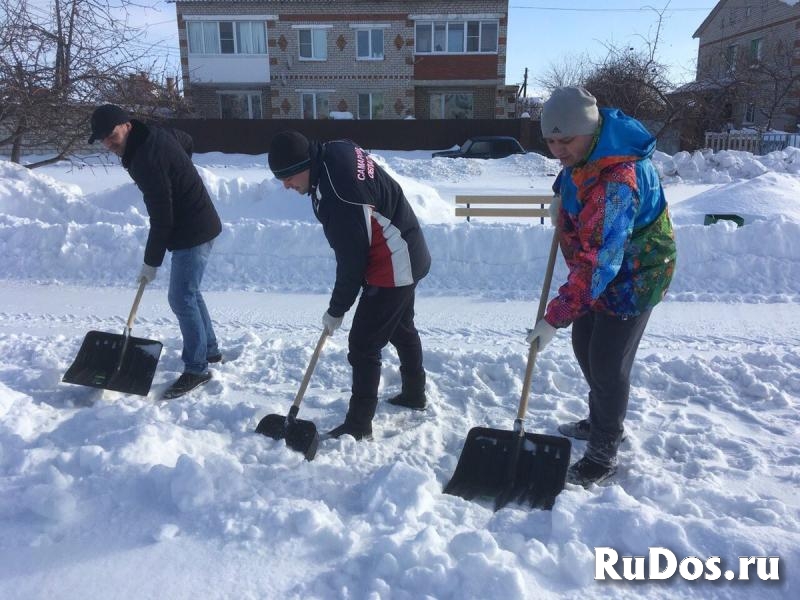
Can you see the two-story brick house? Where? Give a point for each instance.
(391, 59)
(749, 62)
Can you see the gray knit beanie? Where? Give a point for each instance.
(570, 111)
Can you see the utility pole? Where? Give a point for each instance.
(522, 92)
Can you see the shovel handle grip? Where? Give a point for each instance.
(309, 370)
(534, 348)
(135, 306)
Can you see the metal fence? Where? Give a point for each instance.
(779, 141)
(253, 136)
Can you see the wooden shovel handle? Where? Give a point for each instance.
(135, 306)
(534, 348)
(310, 369)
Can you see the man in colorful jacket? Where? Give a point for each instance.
(616, 237)
(380, 252)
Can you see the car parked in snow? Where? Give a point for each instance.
(485, 146)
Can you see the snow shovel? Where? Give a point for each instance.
(514, 466)
(300, 435)
(111, 361)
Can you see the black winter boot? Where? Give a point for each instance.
(185, 383)
(586, 472)
(358, 421)
(349, 429)
(580, 430)
(412, 393)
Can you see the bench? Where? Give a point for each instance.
(503, 206)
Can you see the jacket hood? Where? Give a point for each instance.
(622, 137)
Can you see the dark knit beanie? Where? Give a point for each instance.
(288, 154)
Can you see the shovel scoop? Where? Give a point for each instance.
(512, 465)
(301, 436)
(118, 362)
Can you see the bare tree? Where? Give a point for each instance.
(631, 79)
(768, 81)
(758, 88)
(568, 71)
(57, 63)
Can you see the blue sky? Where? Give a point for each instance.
(543, 32)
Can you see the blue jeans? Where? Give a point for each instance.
(186, 301)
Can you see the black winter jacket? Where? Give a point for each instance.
(368, 222)
(180, 209)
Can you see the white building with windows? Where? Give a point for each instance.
(250, 59)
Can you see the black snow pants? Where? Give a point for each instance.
(605, 347)
(383, 316)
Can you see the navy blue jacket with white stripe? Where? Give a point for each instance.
(367, 220)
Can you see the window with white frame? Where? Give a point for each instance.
(452, 105)
(314, 105)
(755, 50)
(240, 105)
(456, 37)
(731, 54)
(226, 37)
(313, 44)
(750, 113)
(370, 105)
(369, 44)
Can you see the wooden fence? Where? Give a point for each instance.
(747, 142)
(755, 142)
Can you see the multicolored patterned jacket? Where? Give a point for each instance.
(614, 227)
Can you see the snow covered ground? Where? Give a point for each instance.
(104, 495)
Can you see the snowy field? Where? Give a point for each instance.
(104, 495)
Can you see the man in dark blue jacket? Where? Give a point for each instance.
(182, 219)
(380, 252)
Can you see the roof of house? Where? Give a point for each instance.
(708, 19)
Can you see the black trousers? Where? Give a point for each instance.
(383, 316)
(605, 347)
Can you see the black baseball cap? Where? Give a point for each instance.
(104, 119)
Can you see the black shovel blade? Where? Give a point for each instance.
(510, 467)
(111, 362)
(300, 435)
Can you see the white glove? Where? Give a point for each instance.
(331, 323)
(555, 208)
(147, 274)
(542, 332)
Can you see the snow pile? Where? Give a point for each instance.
(272, 241)
(705, 166)
(104, 495)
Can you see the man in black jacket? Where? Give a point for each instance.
(182, 219)
(380, 251)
